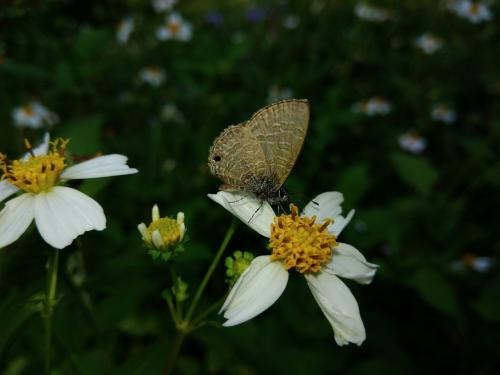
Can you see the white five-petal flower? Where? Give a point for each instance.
(34, 115)
(265, 279)
(61, 213)
(176, 28)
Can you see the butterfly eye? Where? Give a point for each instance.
(216, 158)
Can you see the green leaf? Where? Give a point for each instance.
(354, 182)
(85, 135)
(415, 171)
(437, 292)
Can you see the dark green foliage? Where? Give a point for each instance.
(416, 214)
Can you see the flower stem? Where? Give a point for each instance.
(50, 297)
(211, 269)
(184, 326)
(174, 351)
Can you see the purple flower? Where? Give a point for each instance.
(213, 18)
(255, 14)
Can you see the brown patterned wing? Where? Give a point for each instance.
(280, 129)
(236, 156)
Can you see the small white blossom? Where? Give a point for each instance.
(373, 106)
(175, 28)
(443, 113)
(412, 142)
(371, 13)
(124, 29)
(291, 21)
(428, 43)
(277, 93)
(170, 112)
(474, 11)
(162, 5)
(34, 115)
(479, 264)
(152, 75)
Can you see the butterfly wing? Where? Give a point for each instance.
(280, 129)
(236, 157)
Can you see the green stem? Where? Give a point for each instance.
(211, 269)
(50, 297)
(184, 326)
(211, 309)
(174, 351)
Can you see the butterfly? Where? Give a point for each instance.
(257, 156)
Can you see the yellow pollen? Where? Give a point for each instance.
(36, 173)
(168, 229)
(300, 243)
(28, 110)
(474, 8)
(174, 27)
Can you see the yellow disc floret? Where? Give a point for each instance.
(168, 229)
(34, 174)
(300, 243)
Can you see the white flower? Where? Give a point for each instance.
(376, 105)
(371, 13)
(163, 232)
(61, 213)
(473, 11)
(277, 93)
(291, 21)
(162, 5)
(170, 112)
(428, 43)
(441, 112)
(153, 75)
(412, 142)
(175, 28)
(479, 264)
(312, 250)
(34, 115)
(124, 29)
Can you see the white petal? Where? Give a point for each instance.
(256, 290)
(325, 206)
(102, 166)
(349, 263)
(62, 214)
(329, 206)
(339, 306)
(15, 218)
(340, 223)
(41, 149)
(255, 213)
(7, 189)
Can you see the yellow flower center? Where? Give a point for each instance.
(300, 243)
(36, 173)
(168, 229)
(474, 8)
(28, 110)
(174, 27)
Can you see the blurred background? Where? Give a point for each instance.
(404, 102)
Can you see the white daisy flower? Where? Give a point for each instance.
(124, 29)
(371, 13)
(443, 113)
(428, 43)
(308, 244)
(34, 115)
(61, 213)
(479, 264)
(277, 93)
(412, 142)
(291, 21)
(373, 106)
(160, 6)
(152, 75)
(175, 28)
(473, 11)
(163, 232)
